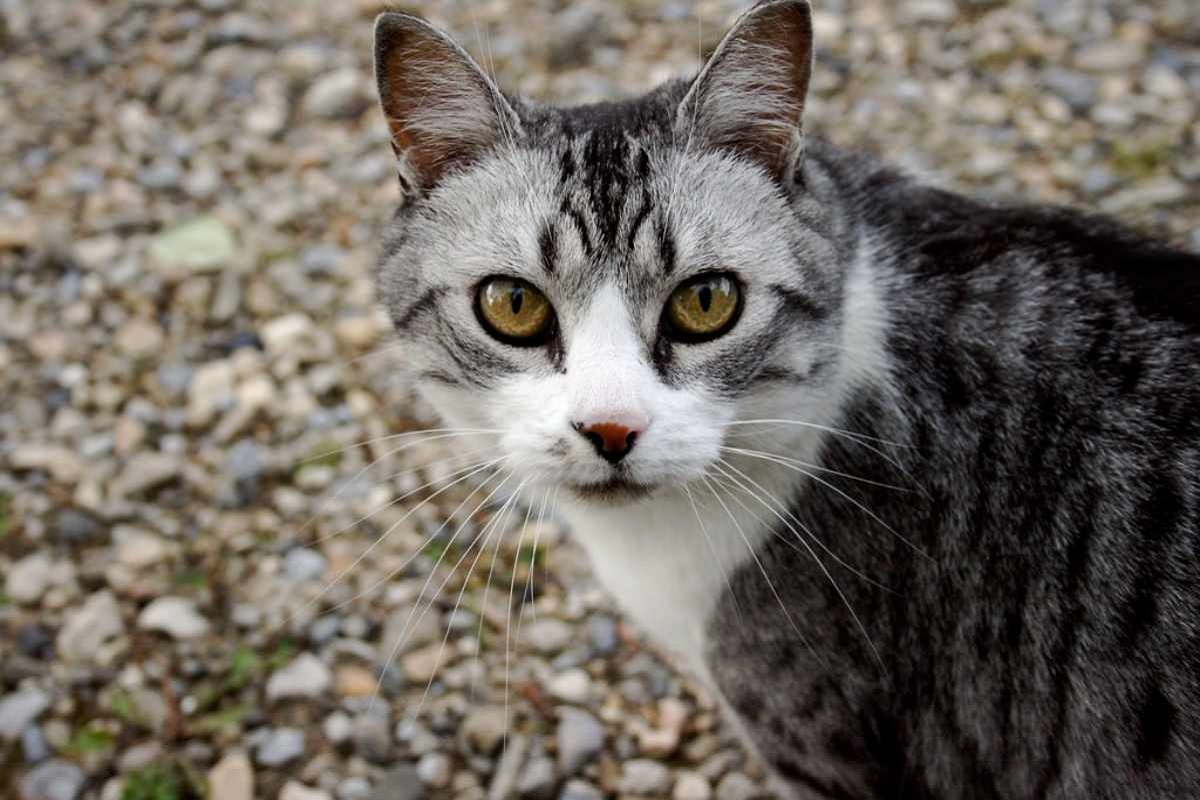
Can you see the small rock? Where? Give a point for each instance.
(422, 666)
(548, 635)
(372, 738)
(571, 686)
(338, 727)
(645, 777)
(305, 677)
(408, 628)
(294, 790)
(34, 640)
(603, 631)
(280, 746)
(435, 769)
(137, 548)
(139, 338)
(74, 527)
(89, 628)
(175, 616)
(232, 778)
(211, 390)
(20, 709)
(1109, 55)
(736, 786)
(352, 680)
(302, 564)
(146, 471)
(577, 789)
(399, 783)
(356, 333)
(29, 578)
(140, 756)
(52, 780)
(537, 778)
(62, 464)
(337, 94)
(354, 789)
(34, 746)
(284, 334)
(483, 728)
(580, 738)
(201, 245)
(691, 786)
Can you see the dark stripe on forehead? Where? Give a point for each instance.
(423, 304)
(566, 166)
(638, 219)
(548, 246)
(666, 245)
(580, 223)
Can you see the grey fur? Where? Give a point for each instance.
(1030, 605)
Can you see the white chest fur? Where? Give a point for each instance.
(668, 562)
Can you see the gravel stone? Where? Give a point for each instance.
(29, 578)
(294, 790)
(548, 635)
(691, 786)
(232, 778)
(52, 780)
(483, 728)
(200, 245)
(306, 676)
(736, 786)
(571, 686)
(644, 777)
(577, 789)
(435, 769)
(580, 738)
(302, 564)
(90, 627)
(19, 710)
(280, 746)
(343, 93)
(175, 616)
(399, 783)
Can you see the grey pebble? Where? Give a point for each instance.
(52, 780)
(580, 738)
(279, 746)
(19, 709)
(577, 789)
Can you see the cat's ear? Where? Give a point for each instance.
(442, 109)
(749, 97)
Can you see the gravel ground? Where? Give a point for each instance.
(197, 585)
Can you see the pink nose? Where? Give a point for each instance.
(612, 440)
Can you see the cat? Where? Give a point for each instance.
(912, 481)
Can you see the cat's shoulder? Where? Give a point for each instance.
(942, 231)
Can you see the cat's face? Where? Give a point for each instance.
(604, 291)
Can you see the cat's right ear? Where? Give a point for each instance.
(749, 97)
(442, 109)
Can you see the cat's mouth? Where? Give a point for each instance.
(614, 490)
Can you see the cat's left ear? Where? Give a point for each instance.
(750, 95)
(443, 111)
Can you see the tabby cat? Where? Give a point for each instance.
(911, 480)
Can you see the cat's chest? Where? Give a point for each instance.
(667, 564)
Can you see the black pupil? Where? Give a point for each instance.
(704, 295)
(516, 297)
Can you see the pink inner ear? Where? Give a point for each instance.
(752, 92)
(439, 106)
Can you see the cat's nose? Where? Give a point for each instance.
(613, 440)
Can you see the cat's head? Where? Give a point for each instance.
(608, 289)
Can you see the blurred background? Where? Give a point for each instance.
(208, 589)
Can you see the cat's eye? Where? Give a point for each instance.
(514, 311)
(703, 308)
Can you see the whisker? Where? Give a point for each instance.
(815, 557)
(797, 463)
(417, 552)
(712, 550)
(782, 607)
(414, 618)
(371, 547)
(471, 468)
(785, 463)
(448, 434)
(826, 428)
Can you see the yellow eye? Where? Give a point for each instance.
(704, 307)
(513, 311)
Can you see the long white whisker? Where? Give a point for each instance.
(797, 463)
(786, 463)
(815, 558)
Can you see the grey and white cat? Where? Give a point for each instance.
(911, 480)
